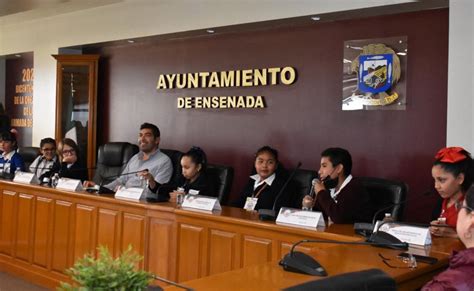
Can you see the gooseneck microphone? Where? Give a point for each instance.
(270, 214)
(366, 229)
(105, 190)
(300, 262)
(171, 283)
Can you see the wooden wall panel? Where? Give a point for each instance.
(133, 232)
(62, 241)
(24, 229)
(256, 250)
(108, 230)
(191, 240)
(8, 222)
(222, 251)
(43, 231)
(85, 230)
(161, 253)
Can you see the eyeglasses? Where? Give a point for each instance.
(411, 261)
(69, 152)
(468, 209)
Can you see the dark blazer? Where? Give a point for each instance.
(266, 198)
(353, 204)
(204, 184)
(76, 171)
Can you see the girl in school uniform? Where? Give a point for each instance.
(263, 187)
(452, 174)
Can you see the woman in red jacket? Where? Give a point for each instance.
(459, 275)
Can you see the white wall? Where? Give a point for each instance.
(136, 18)
(460, 127)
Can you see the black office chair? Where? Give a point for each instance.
(175, 157)
(28, 154)
(372, 279)
(222, 177)
(302, 182)
(111, 159)
(384, 193)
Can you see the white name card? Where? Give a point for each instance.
(201, 202)
(410, 234)
(132, 193)
(69, 184)
(26, 178)
(300, 217)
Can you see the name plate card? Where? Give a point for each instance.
(201, 202)
(300, 217)
(410, 234)
(131, 193)
(26, 178)
(69, 184)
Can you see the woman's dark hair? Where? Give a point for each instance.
(9, 136)
(71, 143)
(269, 150)
(46, 141)
(464, 166)
(339, 156)
(198, 156)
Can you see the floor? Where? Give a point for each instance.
(9, 282)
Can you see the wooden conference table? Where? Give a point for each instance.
(43, 231)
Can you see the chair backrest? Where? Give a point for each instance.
(175, 157)
(302, 181)
(372, 279)
(384, 193)
(28, 154)
(112, 157)
(222, 177)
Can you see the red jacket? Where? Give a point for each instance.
(459, 275)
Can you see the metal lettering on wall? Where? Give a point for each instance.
(224, 79)
(24, 99)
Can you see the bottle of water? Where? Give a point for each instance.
(6, 168)
(55, 180)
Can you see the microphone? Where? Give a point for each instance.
(382, 236)
(171, 283)
(270, 214)
(366, 229)
(104, 190)
(300, 262)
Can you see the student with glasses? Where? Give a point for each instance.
(70, 162)
(452, 174)
(459, 275)
(46, 164)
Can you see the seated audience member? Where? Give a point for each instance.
(453, 174)
(194, 179)
(153, 166)
(459, 275)
(338, 195)
(10, 160)
(46, 164)
(263, 187)
(71, 167)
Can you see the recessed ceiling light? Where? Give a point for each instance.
(18, 56)
(210, 31)
(315, 18)
(130, 41)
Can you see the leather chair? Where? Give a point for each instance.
(175, 157)
(28, 154)
(223, 177)
(302, 182)
(384, 193)
(372, 279)
(112, 157)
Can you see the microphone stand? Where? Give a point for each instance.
(300, 262)
(171, 282)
